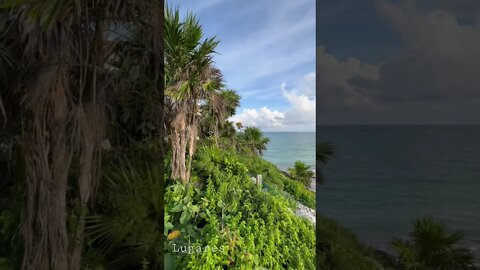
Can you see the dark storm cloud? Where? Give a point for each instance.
(435, 79)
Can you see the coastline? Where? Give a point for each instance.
(302, 210)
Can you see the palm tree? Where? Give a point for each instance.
(63, 82)
(323, 153)
(301, 172)
(431, 246)
(220, 106)
(239, 125)
(190, 79)
(252, 138)
(128, 227)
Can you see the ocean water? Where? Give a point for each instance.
(383, 177)
(285, 148)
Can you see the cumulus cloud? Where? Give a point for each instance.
(335, 81)
(299, 116)
(302, 111)
(435, 76)
(262, 117)
(308, 84)
(441, 63)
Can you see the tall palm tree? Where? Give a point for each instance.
(190, 80)
(431, 246)
(64, 82)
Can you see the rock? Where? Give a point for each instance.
(306, 212)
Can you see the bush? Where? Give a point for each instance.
(248, 227)
(302, 172)
(339, 248)
(10, 238)
(125, 231)
(300, 192)
(432, 246)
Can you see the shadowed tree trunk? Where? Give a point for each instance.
(63, 48)
(48, 158)
(91, 122)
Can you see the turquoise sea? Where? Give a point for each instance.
(383, 177)
(285, 148)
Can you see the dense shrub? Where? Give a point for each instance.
(300, 192)
(10, 238)
(275, 177)
(302, 172)
(125, 231)
(248, 227)
(432, 246)
(339, 248)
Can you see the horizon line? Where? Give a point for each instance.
(396, 125)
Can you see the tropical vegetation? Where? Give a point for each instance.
(431, 246)
(117, 152)
(64, 66)
(84, 106)
(302, 173)
(323, 153)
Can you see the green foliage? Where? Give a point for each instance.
(215, 113)
(301, 172)
(300, 192)
(324, 151)
(187, 58)
(10, 211)
(252, 139)
(270, 173)
(242, 226)
(339, 248)
(431, 246)
(273, 176)
(126, 229)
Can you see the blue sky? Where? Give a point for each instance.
(267, 54)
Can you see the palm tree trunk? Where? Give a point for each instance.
(216, 133)
(92, 129)
(48, 159)
(92, 124)
(191, 145)
(179, 145)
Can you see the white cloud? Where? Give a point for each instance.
(310, 77)
(262, 117)
(302, 110)
(300, 116)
